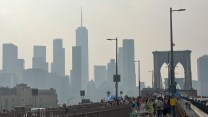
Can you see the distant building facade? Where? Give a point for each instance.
(91, 91)
(39, 58)
(100, 75)
(82, 41)
(58, 65)
(20, 69)
(10, 55)
(120, 68)
(202, 67)
(6, 79)
(76, 73)
(60, 84)
(38, 78)
(24, 95)
(129, 75)
(35, 78)
(11, 64)
(111, 70)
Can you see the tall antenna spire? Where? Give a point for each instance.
(81, 16)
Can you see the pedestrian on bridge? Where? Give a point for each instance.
(159, 107)
(189, 105)
(167, 108)
(142, 108)
(134, 105)
(150, 108)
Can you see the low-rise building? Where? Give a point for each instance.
(22, 95)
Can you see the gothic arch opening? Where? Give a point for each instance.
(179, 75)
(164, 75)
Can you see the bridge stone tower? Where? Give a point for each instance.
(183, 57)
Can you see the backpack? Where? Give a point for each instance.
(159, 104)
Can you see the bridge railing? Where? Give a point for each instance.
(114, 111)
(89, 110)
(202, 107)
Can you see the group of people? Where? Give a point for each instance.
(151, 106)
(188, 105)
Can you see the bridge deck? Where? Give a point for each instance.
(190, 112)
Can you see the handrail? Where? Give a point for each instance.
(202, 107)
(91, 110)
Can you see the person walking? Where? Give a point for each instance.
(134, 105)
(159, 107)
(142, 108)
(189, 105)
(167, 108)
(150, 108)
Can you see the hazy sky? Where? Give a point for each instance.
(37, 22)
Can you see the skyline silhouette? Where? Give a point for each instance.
(28, 23)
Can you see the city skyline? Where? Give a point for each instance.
(28, 23)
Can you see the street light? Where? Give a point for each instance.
(139, 76)
(116, 77)
(178, 10)
(172, 75)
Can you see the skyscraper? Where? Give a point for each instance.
(10, 54)
(20, 69)
(111, 70)
(12, 66)
(202, 65)
(76, 73)
(129, 76)
(120, 67)
(58, 65)
(100, 75)
(82, 41)
(39, 58)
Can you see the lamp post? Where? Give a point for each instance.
(139, 76)
(1, 103)
(116, 77)
(172, 75)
